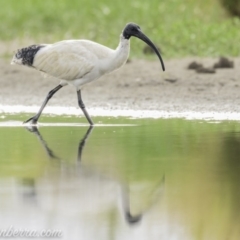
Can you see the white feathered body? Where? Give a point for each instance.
(76, 62)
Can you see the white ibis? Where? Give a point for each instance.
(77, 62)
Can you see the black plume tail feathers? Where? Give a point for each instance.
(25, 56)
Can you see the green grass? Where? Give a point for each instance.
(179, 27)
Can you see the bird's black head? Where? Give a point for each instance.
(132, 29)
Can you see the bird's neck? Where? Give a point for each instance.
(123, 49)
(120, 54)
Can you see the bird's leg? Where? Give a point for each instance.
(83, 141)
(35, 118)
(34, 130)
(82, 106)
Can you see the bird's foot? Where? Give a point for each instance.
(33, 120)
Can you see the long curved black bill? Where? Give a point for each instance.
(144, 38)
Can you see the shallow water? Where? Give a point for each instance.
(123, 179)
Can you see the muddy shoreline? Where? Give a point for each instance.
(139, 85)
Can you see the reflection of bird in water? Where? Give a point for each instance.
(125, 197)
(50, 153)
(29, 190)
(34, 130)
(155, 195)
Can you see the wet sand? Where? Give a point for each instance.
(140, 86)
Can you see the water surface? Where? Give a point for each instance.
(123, 179)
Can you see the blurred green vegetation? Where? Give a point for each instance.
(179, 27)
(232, 6)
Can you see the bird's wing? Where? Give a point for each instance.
(65, 60)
